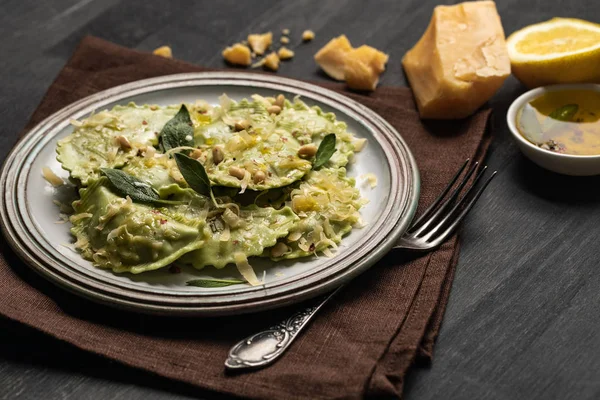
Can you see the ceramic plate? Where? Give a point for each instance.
(29, 216)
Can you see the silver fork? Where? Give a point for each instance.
(428, 232)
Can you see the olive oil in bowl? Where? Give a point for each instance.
(563, 121)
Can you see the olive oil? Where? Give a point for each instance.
(564, 121)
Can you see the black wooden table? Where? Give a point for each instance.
(522, 321)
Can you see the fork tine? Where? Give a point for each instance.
(440, 223)
(437, 201)
(447, 203)
(469, 205)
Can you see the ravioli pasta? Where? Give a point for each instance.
(264, 197)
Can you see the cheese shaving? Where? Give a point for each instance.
(51, 177)
(244, 267)
(359, 144)
(245, 181)
(178, 149)
(369, 179)
(294, 236)
(225, 234)
(77, 217)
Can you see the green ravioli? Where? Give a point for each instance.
(109, 139)
(115, 233)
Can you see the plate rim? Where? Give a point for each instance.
(13, 233)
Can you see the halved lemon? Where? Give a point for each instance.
(561, 50)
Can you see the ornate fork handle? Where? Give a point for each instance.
(262, 348)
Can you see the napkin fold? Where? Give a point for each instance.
(359, 345)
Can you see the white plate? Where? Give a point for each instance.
(29, 216)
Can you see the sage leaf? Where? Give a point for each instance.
(325, 151)
(529, 125)
(213, 283)
(128, 185)
(194, 174)
(178, 131)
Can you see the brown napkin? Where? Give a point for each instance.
(359, 345)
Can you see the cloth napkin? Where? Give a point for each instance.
(359, 345)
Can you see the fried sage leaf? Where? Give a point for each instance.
(194, 173)
(213, 283)
(128, 185)
(178, 131)
(325, 151)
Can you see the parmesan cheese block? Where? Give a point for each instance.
(460, 61)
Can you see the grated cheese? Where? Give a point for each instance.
(244, 267)
(51, 177)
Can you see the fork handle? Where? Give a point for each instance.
(264, 347)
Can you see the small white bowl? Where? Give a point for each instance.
(567, 164)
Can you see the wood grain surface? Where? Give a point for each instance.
(522, 322)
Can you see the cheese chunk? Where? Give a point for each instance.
(460, 61)
(272, 62)
(363, 67)
(163, 51)
(238, 54)
(332, 57)
(308, 35)
(285, 54)
(260, 42)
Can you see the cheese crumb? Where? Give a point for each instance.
(238, 54)
(260, 42)
(163, 51)
(284, 40)
(272, 62)
(285, 54)
(285, 31)
(308, 35)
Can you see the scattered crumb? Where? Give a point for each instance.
(284, 40)
(308, 35)
(238, 54)
(285, 31)
(285, 54)
(272, 62)
(260, 42)
(163, 51)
